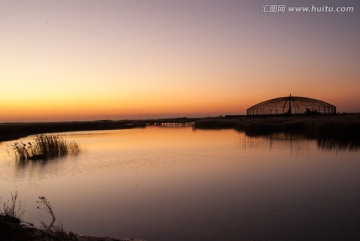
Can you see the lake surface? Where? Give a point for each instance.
(179, 184)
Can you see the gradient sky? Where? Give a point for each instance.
(96, 59)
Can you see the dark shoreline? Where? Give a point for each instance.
(13, 131)
(14, 229)
(337, 127)
(313, 126)
(341, 129)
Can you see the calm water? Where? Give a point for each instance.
(179, 184)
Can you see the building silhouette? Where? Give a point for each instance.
(292, 105)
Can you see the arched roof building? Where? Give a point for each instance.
(292, 105)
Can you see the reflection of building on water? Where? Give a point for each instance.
(337, 145)
(292, 105)
(297, 144)
(174, 124)
(245, 142)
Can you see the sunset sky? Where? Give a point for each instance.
(96, 59)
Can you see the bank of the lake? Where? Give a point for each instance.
(14, 229)
(337, 126)
(346, 126)
(13, 131)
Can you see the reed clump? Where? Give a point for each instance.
(44, 147)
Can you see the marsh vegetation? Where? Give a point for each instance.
(44, 147)
(14, 228)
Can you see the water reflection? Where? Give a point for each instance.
(178, 184)
(35, 170)
(338, 145)
(335, 144)
(296, 145)
(245, 143)
(40, 163)
(174, 124)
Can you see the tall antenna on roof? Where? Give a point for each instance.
(290, 105)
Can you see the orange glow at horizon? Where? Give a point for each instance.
(122, 58)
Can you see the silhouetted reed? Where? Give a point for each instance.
(13, 208)
(44, 147)
(13, 227)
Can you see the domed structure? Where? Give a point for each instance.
(292, 105)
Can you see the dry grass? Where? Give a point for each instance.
(44, 147)
(13, 208)
(12, 228)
